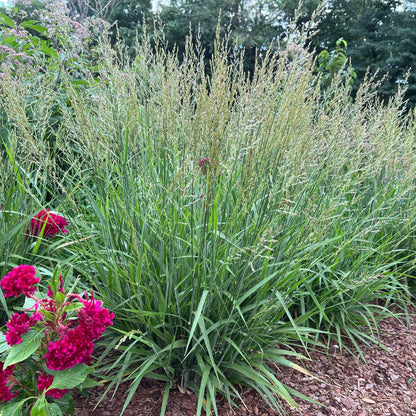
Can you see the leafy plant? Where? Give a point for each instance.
(334, 63)
(47, 349)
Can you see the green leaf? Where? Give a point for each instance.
(48, 315)
(55, 282)
(4, 346)
(165, 399)
(30, 343)
(89, 383)
(53, 409)
(60, 297)
(29, 302)
(70, 378)
(79, 82)
(5, 20)
(196, 318)
(202, 390)
(49, 51)
(73, 307)
(39, 408)
(37, 28)
(66, 404)
(12, 409)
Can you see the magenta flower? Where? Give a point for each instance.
(44, 381)
(74, 347)
(18, 325)
(5, 377)
(75, 344)
(69, 339)
(20, 280)
(93, 318)
(54, 224)
(204, 163)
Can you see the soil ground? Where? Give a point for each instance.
(382, 385)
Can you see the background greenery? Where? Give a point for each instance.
(380, 34)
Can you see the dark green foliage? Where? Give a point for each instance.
(380, 39)
(380, 36)
(200, 18)
(402, 57)
(252, 25)
(130, 17)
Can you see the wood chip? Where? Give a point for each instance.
(367, 400)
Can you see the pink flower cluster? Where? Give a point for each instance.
(76, 345)
(71, 340)
(6, 393)
(202, 162)
(18, 325)
(20, 280)
(71, 349)
(49, 222)
(94, 319)
(44, 381)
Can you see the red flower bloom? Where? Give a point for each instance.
(75, 344)
(204, 163)
(73, 348)
(93, 318)
(49, 222)
(44, 381)
(5, 391)
(20, 280)
(18, 325)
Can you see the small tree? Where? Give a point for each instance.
(331, 63)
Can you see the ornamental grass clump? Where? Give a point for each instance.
(296, 239)
(47, 349)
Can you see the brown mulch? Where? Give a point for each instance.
(383, 385)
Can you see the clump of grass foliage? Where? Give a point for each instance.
(300, 227)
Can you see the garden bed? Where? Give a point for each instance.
(383, 385)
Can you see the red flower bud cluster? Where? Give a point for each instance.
(204, 163)
(75, 344)
(44, 381)
(6, 393)
(20, 280)
(18, 325)
(68, 336)
(49, 222)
